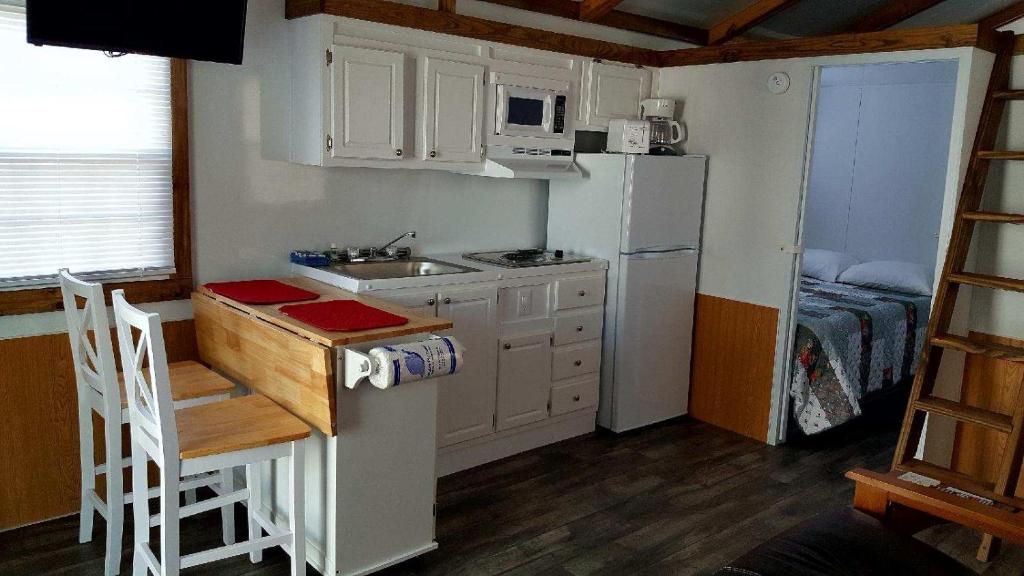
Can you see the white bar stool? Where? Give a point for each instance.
(100, 390)
(247, 430)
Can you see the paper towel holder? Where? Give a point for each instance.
(358, 366)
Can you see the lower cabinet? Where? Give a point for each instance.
(524, 380)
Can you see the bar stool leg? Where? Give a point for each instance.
(252, 482)
(140, 509)
(227, 513)
(170, 492)
(115, 495)
(297, 519)
(87, 461)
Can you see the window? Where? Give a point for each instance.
(93, 171)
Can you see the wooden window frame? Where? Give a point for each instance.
(179, 285)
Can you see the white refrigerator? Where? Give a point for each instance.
(643, 214)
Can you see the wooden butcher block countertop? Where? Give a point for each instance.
(418, 324)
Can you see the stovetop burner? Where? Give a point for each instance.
(524, 258)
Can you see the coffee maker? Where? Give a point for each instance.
(665, 131)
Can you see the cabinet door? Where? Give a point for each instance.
(453, 94)
(466, 400)
(615, 91)
(367, 103)
(524, 380)
(423, 302)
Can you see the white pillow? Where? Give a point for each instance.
(826, 265)
(890, 275)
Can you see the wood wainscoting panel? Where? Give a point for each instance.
(39, 475)
(733, 365)
(994, 385)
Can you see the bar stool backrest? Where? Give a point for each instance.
(144, 362)
(95, 369)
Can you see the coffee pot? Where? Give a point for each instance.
(664, 130)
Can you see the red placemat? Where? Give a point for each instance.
(343, 316)
(261, 291)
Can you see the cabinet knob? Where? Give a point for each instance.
(582, 293)
(508, 346)
(398, 152)
(431, 302)
(576, 398)
(578, 362)
(579, 328)
(433, 153)
(447, 300)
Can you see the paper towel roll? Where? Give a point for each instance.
(403, 363)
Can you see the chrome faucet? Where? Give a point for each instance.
(382, 250)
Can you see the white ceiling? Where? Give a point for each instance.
(810, 17)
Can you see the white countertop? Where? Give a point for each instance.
(486, 273)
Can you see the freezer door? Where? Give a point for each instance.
(663, 203)
(653, 337)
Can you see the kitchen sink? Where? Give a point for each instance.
(399, 269)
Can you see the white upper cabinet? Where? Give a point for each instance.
(613, 91)
(367, 103)
(453, 103)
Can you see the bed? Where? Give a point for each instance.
(851, 342)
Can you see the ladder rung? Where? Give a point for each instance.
(997, 351)
(965, 413)
(1001, 155)
(987, 281)
(1008, 94)
(999, 217)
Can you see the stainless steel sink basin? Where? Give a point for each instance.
(399, 269)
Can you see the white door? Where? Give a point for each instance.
(663, 202)
(615, 91)
(524, 380)
(453, 97)
(466, 400)
(367, 103)
(654, 333)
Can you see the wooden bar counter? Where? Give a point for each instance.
(371, 462)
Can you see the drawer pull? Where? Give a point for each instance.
(582, 293)
(576, 398)
(431, 302)
(398, 152)
(578, 362)
(579, 328)
(508, 346)
(447, 300)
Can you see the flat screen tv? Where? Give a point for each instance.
(211, 30)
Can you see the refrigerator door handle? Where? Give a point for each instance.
(656, 252)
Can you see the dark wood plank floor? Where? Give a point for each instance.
(679, 498)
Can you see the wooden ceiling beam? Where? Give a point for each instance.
(885, 41)
(408, 16)
(446, 5)
(614, 19)
(888, 15)
(591, 10)
(1011, 13)
(746, 19)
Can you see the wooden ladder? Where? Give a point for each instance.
(922, 400)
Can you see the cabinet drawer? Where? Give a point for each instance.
(576, 360)
(579, 292)
(574, 395)
(578, 326)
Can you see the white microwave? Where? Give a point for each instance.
(531, 112)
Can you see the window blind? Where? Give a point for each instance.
(85, 162)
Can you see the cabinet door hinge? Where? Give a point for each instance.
(329, 56)
(330, 142)
(494, 420)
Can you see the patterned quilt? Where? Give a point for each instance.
(851, 341)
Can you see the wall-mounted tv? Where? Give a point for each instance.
(212, 30)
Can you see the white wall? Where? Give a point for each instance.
(249, 212)
(757, 144)
(878, 167)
